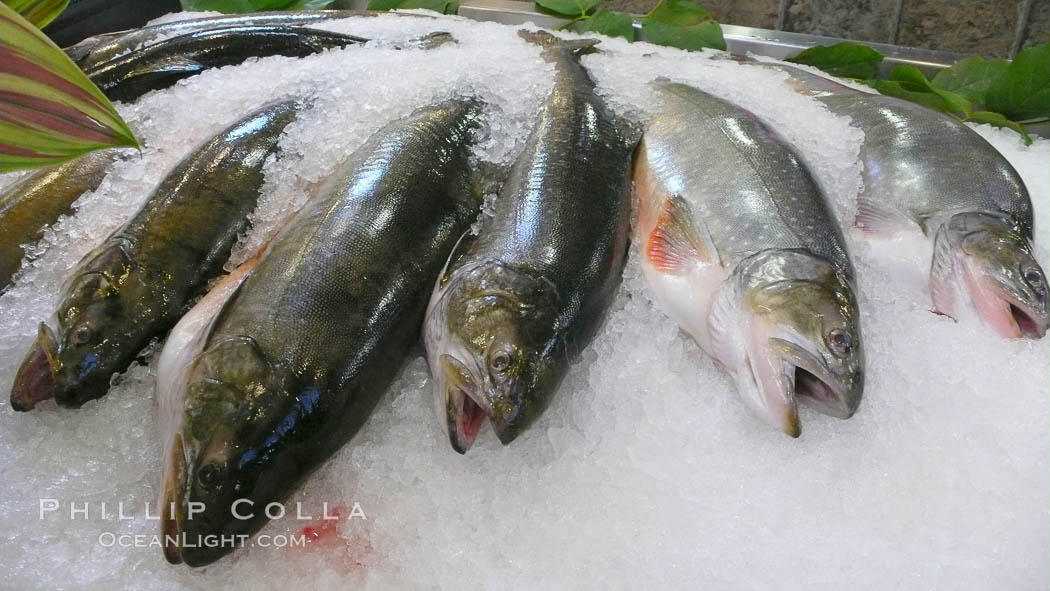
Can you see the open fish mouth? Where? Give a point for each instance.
(465, 418)
(1002, 311)
(1018, 320)
(465, 411)
(35, 380)
(814, 386)
(170, 526)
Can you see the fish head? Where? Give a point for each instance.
(490, 354)
(74, 357)
(803, 340)
(987, 256)
(236, 450)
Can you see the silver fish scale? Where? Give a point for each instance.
(749, 189)
(924, 164)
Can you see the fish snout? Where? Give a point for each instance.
(35, 380)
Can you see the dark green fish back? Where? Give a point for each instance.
(184, 233)
(338, 298)
(162, 64)
(38, 200)
(564, 211)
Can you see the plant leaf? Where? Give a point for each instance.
(691, 37)
(49, 110)
(442, 6)
(568, 8)
(970, 77)
(999, 120)
(38, 12)
(913, 80)
(846, 59)
(1023, 91)
(607, 22)
(678, 12)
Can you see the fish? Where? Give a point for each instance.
(99, 49)
(164, 63)
(28, 206)
(739, 246)
(295, 361)
(523, 299)
(134, 286)
(936, 185)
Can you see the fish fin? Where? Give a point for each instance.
(677, 243)
(878, 219)
(549, 41)
(942, 275)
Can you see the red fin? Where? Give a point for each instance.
(676, 243)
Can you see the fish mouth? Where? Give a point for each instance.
(1002, 311)
(465, 411)
(1016, 320)
(35, 380)
(170, 525)
(1029, 325)
(815, 386)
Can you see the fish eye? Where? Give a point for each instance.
(81, 335)
(840, 342)
(500, 361)
(209, 476)
(1033, 277)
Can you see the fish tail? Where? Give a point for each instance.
(551, 42)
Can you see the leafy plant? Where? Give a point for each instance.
(675, 23)
(38, 12)
(442, 6)
(237, 6)
(49, 110)
(997, 92)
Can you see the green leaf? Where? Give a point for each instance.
(607, 22)
(678, 12)
(568, 8)
(846, 59)
(442, 6)
(999, 120)
(49, 110)
(38, 12)
(1023, 91)
(913, 80)
(899, 90)
(970, 77)
(691, 37)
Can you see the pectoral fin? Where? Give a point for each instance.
(678, 242)
(876, 218)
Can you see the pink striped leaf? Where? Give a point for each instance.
(49, 110)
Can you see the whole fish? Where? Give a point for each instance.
(293, 364)
(35, 202)
(531, 291)
(740, 248)
(930, 178)
(164, 63)
(137, 284)
(97, 50)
